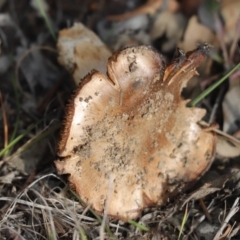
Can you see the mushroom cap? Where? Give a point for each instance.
(129, 141)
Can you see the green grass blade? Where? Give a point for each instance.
(138, 225)
(185, 217)
(10, 145)
(212, 87)
(16, 125)
(46, 18)
(17, 139)
(82, 233)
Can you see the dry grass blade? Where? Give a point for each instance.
(20, 195)
(56, 214)
(234, 209)
(140, 114)
(47, 217)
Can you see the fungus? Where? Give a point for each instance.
(129, 139)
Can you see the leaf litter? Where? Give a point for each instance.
(38, 204)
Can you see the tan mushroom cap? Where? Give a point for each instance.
(129, 138)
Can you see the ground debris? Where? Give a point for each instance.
(37, 204)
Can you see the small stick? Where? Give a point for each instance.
(205, 210)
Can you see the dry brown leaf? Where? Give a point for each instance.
(27, 160)
(150, 7)
(227, 145)
(190, 7)
(212, 183)
(231, 108)
(171, 26)
(9, 177)
(130, 32)
(129, 138)
(195, 34)
(231, 14)
(227, 148)
(81, 50)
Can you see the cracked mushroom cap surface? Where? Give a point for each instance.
(129, 141)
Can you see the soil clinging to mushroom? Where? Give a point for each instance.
(128, 137)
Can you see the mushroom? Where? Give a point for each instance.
(129, 141)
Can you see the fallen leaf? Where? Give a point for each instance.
(8, 178)
(212, 182)
(81, 50)
(206, 230)
(190, 7)
(150, 7)
(36, 68)
(130, 32)
(129, 141)
(27, 160)
(231, 15)
(231, 108)
(196, 33)
(227, 146)
(171, 26)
